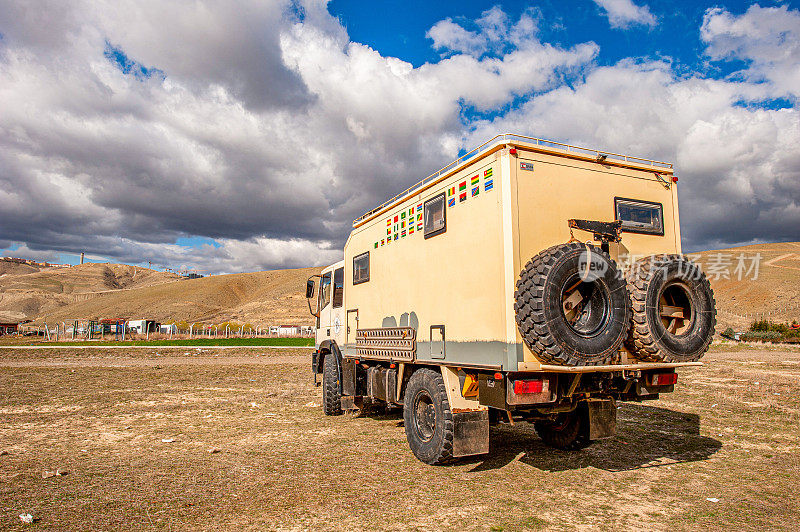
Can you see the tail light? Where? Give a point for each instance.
(663, 379)
(528, 386)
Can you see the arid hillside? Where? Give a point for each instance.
(767, 283)
(27, 292)
(95, 291)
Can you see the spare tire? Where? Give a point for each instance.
(572, 306)
(674, 312)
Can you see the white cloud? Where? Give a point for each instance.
(624, 13)
(735, 164)
(768, 39)
(493, 33)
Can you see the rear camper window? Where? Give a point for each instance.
(361, 268)
(338, 287)
(435, 219)
(640, 216)
(325, 290)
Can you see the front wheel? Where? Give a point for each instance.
(569, 431)
(427, 417)
(331, 390)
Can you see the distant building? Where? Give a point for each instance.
(169, 329)
(143, 326)
(288, 330)
(8, 328)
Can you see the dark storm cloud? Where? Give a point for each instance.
(126, 125)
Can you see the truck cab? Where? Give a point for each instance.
(327, 294)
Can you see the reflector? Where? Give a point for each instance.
(664, 379)
(528, 386)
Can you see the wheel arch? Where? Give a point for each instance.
(327, 347)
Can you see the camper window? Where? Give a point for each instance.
(361, 268)
(325, 291)
(338, 287)
(435, 222)
(639, 216)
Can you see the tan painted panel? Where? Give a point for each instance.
(455, 278)
(559, 189)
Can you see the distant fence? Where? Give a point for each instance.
(150, 329)
(777, 314)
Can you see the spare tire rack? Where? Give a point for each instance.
(568, 315)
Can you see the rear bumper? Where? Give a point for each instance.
(617, 367)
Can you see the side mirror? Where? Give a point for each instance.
(309, 289)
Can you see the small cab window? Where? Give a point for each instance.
(639, 216)
(338, 287)
(325, 290)
(361, 268)
(435, 217)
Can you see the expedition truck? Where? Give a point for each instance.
(527, 281)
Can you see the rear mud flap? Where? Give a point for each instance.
(602, 419)
(470, 433)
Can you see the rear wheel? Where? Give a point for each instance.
(568, 431)
(572, 307)
(674, 311)
(331, 389)
(427, 417)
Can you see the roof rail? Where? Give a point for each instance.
(512, 138)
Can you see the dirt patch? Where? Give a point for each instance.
(134, 440)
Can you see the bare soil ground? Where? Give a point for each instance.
(729, 433)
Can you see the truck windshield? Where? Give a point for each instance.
(325, 291)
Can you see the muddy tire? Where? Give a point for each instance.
(674, 312)
(427, 417)
(331, 388)
(569, 431)
(571, 314)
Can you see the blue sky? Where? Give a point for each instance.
(192, 135)
(399, 28)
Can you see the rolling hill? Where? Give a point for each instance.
(27, 292)
(774, 294)
(93, 291)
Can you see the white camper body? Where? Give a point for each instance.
(453, 287)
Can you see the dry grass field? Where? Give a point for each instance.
(729, 434)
